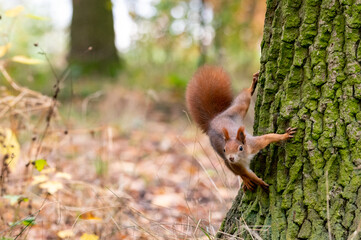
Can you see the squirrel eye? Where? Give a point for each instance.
(240, 148)
(224, 150)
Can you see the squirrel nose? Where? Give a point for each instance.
(231, 159)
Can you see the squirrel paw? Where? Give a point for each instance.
(254, 82)
(248, 184)
(265, 186)
(289, 132)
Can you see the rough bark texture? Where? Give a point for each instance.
(92, 26)
(310, 79)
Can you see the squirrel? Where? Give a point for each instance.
(211, 105)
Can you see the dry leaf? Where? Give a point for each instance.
(63, 175)
(9, 146)
(39, 179)
(26, 60)
(167, 200)
(66, 233)
(14, 11)
(89, 216)
(87, 236)
(51, 186)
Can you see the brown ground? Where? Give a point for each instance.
(129, 166)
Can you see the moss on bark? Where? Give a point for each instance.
(310, 78)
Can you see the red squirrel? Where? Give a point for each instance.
(210, 103)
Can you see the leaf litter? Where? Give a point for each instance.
(131, 168)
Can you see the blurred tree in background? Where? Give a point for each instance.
(166, 46)
(92, 47)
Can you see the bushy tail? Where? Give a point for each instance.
(208, 94)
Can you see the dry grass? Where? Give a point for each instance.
(132, 168)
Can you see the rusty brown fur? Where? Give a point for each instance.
(208, 94)
(209, 100)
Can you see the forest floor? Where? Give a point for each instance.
(121, 164)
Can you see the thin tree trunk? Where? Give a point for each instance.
(92, 26)
(310, 79)
(202, 47)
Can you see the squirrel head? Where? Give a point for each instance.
(235, 149)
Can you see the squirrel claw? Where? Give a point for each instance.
(254, 83)
(248, 184)
(255, 75)
(290, 131)
(265, 186)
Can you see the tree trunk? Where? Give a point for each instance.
(310, 79)
(92, 47)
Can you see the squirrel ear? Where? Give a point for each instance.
(241, 135)
(225, 133)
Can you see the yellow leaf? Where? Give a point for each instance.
(14, 11)
(68, 233)
(51, 186)
(87, 236)
(89, 216)
(4, 49)
(9, 146)
(26, 60)
(36, 17)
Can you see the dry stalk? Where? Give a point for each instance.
(25, 101)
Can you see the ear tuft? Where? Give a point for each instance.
(225, 134)
(241, 135)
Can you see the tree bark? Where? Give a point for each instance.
(92, 47)
(310, 78)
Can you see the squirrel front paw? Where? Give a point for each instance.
(249, 184)
(254, 82)
(289, 132)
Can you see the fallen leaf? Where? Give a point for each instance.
(167, 200)
(39, 179)
(89, 216)
(68, 233)
(9, 146)
(63, 175)
(87, 236)
(51, 186)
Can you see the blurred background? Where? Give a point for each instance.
(96, 140)
(142, 43)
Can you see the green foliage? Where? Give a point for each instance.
(40, 164)
(101, 167)
(16, 199)
(28, 221)
(167, 50)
